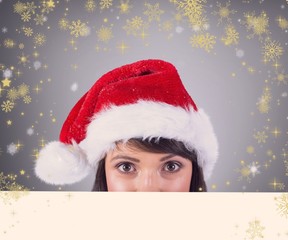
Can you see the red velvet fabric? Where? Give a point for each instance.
(150, 80)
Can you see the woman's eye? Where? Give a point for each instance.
(126, 167)
(172, 166)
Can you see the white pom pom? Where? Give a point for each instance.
(59, 163)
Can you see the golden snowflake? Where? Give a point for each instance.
(260, 136)
(263, 104)
(124, 7)
(7, 106)
(90, 5)
(12, 94)
(255, 230)
(104, 34)
(281, 77)
(244, 172)
(23, 90)
(25, 16)
(134, 26)
(272, 51)
(47, 6)
(193, 10)
(19, 7)
(224, 12)
(199, 23)
(28, 31)
(282, 204)
(27, 99)
(231, 36)
(30, 7)
(39, 19)
(23, 59)
(257, 24)
(106, 4)
(153, 12)
(178, 17)
(39, 39)
(9, 43)
(282, 22)
(77, 28)
(204, 41)
(63, 23)
(248, 170)
(166, 26)
(10, 190)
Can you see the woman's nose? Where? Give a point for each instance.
(148, 182)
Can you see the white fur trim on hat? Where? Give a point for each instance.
(148, 119)
(59, 163)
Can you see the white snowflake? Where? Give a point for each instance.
(12, 149)
(254, 169)
(239, 53)
(284, 94)
(74, 87)
(179, 29)
(206, 26)
(7, 73)
(196, 28)
(4, 30)
(37, 65)
(30, 131)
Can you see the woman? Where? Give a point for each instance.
(138, 129)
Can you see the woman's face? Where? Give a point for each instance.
(130, 169)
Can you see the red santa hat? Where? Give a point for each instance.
(145, 99)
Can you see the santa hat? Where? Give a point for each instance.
(145, 99)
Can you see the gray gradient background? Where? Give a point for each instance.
(229, 101)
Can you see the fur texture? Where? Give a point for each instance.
(59, 164)
(148, 119)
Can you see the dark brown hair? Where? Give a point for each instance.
(156, 145)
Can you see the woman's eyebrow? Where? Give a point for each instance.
(126, 158)
(167, 157)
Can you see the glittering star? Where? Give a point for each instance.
(37, 89)
(122, 47)
(276, 132)
(22, 172)
(69, 196)
(42, 142)
(50, 4)
(6, 82)
(9, 122)
(284, 154)
(35, 153)
(19, 145)
(1, 90)
(277, 185)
